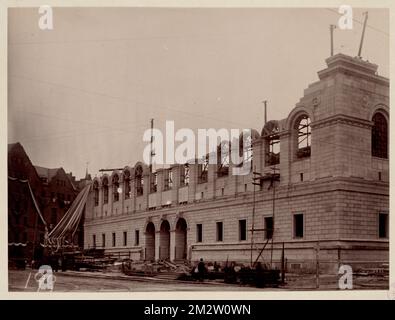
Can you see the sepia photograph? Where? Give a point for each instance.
(207, 149)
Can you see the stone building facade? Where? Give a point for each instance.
(323, 183)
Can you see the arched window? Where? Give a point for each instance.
(303, 128)
(271, 132)
(96, 193)
(126, 181)
(153, 182)
(168, 179)
(203, 170)
(245, 151)
(223, 151)
(105, 190)
(138, 175)
(184, 176)
(115, 187)
(380, 136)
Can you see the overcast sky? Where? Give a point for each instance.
(86, 90)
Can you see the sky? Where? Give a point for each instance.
(83, 93)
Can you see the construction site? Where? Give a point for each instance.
(316, 199)
(301, 213)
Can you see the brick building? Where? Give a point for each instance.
(325, 182)
(24, 225)
(59, 191)
(53, 190)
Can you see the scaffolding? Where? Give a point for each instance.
(272, 177)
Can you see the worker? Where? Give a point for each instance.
(201, 269)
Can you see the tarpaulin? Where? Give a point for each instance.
(71, 219)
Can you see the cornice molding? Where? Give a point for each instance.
(342, 119)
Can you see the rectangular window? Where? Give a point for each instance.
(242, 230)
(298, 225)
(220, 231)
(103, 240)
(268, 227)
(113, 239)
(199, 232)
(125, 238)
(94, 241)
(137, 237)
(383, 225)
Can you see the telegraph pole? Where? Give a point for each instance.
(257, 177)
(273, 177)
(265, 110)
(152, 141)
(331, 28)
(253, 220)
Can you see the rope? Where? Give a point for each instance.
(33, 197)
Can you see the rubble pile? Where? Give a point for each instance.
(162, 267)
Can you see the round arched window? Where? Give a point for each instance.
(380, 136)
(105, 190)
(303, 137)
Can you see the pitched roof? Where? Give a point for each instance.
(12, 145)
(46, 172)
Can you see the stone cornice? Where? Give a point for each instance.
(344, 119)
(350, 71)
(330, 184)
